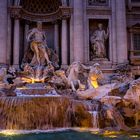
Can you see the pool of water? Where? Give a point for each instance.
(71, 135)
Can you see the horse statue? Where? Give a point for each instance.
(94, 75)
(73, 76)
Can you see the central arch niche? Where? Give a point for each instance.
(25, 15)
(39, 8)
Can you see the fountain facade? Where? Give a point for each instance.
(42, 95)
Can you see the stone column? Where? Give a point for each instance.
(121, 31)
(25, 35)
(113, 46)
(16, 43)
(71, 35)
(56, 38)
(3, 31)
(78, 31)
(64, 43)
(9, 31)
(71, 40)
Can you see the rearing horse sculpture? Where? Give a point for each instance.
(94, 75)
(73, 73)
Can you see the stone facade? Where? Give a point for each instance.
(69, 27)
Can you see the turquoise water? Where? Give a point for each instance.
(70, 135)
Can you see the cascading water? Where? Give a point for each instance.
(95, 119)
(95, 107)
(26, 113)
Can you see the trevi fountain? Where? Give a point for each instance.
(41, 97)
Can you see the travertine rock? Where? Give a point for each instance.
(133, 92)
(97, 93)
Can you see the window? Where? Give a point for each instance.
(135, 0)
(136, 43)
(133, 4)
(98, 2)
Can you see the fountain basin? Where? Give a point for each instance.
(75, 134)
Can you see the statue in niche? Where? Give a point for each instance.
(98, 42)
(38, 45)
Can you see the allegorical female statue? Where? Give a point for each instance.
(98, 42)
(38, 45)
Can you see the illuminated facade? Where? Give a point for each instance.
(69, 25)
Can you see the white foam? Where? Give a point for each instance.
(52, 93)
(36, 131)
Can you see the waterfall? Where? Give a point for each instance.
(26, 113)
(95, 119)
(95, 108)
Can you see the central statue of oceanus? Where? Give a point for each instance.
(38, 45)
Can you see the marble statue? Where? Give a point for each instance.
(93, 90)
(7, 76)
(98, 42)
(37, 39)
(38, 73)
(94, 75)
(73, 73)
(59, 80)
(11, 75)
(3, 76)
(70, 79)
